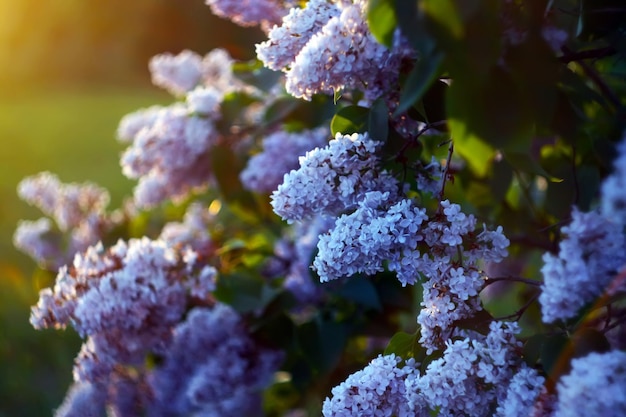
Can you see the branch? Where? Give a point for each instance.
(597, 80)
(512, 278)
(588, 54)
(519, 313)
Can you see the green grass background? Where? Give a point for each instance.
(70, 132)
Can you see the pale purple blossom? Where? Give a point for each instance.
(213, 367)
(590, 256)
(378, 390)
(265, 13)
(125, 301)
(178, 74)
(522, 395)
(596, 386)
(470, 377)
(79, 214)
(333, 179)
(170, 156)
(376, 232)
(265, 170)
(326, 48)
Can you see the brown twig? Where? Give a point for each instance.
(512, 278)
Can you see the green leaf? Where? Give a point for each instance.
(244, 292)
(426, 70)
(350, 119)
(378, 120)
(226, 168)
(322, 342)
(556, 353)
(523, 162)
(532, 349)
(446, 14)
(406, 346)
(381, 19)
(280, 109)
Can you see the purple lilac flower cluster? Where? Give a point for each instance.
(327, 47)
(333, 179)
(594, 387)
(264, 13)
(78, 210)
(124, 300)
(456, 384)
(589, 258)
(378, 390)
(169, 146)
(212, 368)
(265, 170)
(294, 253)
(474, 375)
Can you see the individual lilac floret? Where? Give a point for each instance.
(265, 13)
(286, 41)
(523, 392)
(265, 170)
(79, 211)
(169, 156)
(470, 377)
(590, 256)
(596, 386)
(124, 299)
(377, 232)
(333, 179)
(212, 368)
(613, 199)
(377, 390)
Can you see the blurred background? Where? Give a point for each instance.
(69, 70)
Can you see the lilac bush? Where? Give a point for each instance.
(387, 213)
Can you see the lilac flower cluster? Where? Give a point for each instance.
(180, 74)
(295, 253)
(444, 250)
(327, 47)
(212, 368)
(169, 146)
(523, 394)
(265, 13)
(589, 258)
(78, 210)
(470, 378)
(376, 232)
(377, 390)
(125, 300)
(169, 157)
(474, 375)
(596, 386)
(265, 170)
(333, 179)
